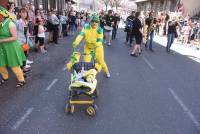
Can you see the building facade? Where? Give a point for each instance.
(157, 5)
(188, 7)
(45, 4)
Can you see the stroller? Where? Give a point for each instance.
(82, 89)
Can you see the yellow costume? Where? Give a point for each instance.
(145, 31)
(93, 41)
(74, 59)
(90, 82)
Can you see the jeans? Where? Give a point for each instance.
(108, 35)
(55, 34)
(129, 37)
(114, 33)
(151, 35)
(72, 28)
(170, 40)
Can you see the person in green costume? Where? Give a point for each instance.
(93, 36)
(11, 53)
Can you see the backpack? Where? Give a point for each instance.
(129, 25)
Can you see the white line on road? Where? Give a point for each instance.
(22, 119)
(185, 109)
(51, 85)
(148, 63)
(64, 68)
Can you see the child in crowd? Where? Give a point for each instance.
(41, 35)
(186, 30)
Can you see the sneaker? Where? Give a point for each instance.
(134, 55)
(167, 50)
(151, 50)
(109, 44)
(108, 75)
(29, 62)
(27, 66)
(44, 51)
(26, 70)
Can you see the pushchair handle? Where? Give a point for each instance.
(92, 54)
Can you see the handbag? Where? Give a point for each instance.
(25, 47)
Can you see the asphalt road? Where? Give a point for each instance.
(156, 93)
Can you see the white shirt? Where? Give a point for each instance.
(41, 31)
(54, 19)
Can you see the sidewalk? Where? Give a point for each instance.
(189, 51)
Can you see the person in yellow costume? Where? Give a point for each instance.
(93, 36)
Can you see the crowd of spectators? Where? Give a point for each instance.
(36, 28)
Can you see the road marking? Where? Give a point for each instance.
(22, 119)
(64, 68)
(51, 85)
(185, 109)
(148, 63)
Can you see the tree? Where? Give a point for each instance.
(117, 4)
(106, 2)
(112, 3)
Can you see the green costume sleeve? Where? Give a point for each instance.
(79, 38)
(99, 37)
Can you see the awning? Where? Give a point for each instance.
(138, 1)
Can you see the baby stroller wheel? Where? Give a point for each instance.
(69, 109)
(91, 110)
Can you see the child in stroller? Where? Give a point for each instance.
(82, 88)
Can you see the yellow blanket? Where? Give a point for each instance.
(90, 82)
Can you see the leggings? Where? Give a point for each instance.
(99, 54)
(17, 71)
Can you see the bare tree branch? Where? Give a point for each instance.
(106, 2)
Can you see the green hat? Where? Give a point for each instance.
(95, 18)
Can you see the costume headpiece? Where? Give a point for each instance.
(6, 14)
(95, 18)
